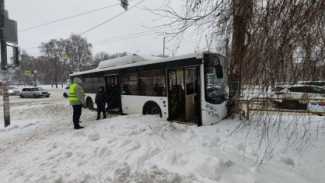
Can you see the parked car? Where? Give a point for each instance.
(317, 107)
(314, 83)
(13, 90)
(34, 92)
(66, 92)
(283, 94)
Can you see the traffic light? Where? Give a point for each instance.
(125, 4)
(16, 56)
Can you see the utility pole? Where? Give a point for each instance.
(2, 37)
(8, 33)
(208, 46)
(56, 71)
(164, 47)
(4, 65)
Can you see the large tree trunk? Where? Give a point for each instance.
(241, 15)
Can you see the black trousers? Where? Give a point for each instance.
(76, 114)
(101, 108)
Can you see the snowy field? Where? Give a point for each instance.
(42, 146)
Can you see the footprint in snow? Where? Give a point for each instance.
(104, 151)
(68, 154)
(94, 136)
(79, 134)
(288, 161)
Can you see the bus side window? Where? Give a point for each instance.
(133, 87)
(159, 89)
(159, 81)
(152, 83)
(124, 80)
(125, 90)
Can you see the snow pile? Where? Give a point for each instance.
(93, 136)
(21, 124)
(144, 149)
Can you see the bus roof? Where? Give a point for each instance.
(133, 61)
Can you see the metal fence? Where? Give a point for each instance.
(271, 105)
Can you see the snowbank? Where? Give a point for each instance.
(41, 146)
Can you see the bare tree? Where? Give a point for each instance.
(26, 63)
(257, 35)
(267, 42)
(101, 56)
(79, 51)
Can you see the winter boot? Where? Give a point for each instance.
(78, 127)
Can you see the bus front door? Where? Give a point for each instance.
(114, 98)
(176, 94)
(183, 94)
(192, 95)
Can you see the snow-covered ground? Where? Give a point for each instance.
(42, 146)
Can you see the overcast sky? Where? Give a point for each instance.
(29, 13)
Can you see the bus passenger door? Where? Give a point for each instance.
(114, 98)
(176, 94)
(192, 94)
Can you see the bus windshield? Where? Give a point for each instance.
(214, 86)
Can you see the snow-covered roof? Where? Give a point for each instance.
(133, 61)
(129, 59)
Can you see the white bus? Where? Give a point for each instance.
(190, 88)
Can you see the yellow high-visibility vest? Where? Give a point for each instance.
(72, 94)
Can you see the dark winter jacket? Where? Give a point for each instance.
(101, 97)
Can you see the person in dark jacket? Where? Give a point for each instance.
(101, 100)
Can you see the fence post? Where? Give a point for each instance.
(247, 105)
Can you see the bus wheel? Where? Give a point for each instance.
(90, 104)
(151, 108)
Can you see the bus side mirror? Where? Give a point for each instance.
(219, 71)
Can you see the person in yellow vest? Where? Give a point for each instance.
(77, 99)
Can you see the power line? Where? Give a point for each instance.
(129, 36)
(122, 39)
(66, 18)
(118, 38)
(95, 27)
(191, 42)
(135, 35)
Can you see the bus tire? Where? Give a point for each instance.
(151, 108)
(90, 104)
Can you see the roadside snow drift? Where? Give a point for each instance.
(42, 146)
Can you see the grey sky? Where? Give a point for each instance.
(29, 13)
